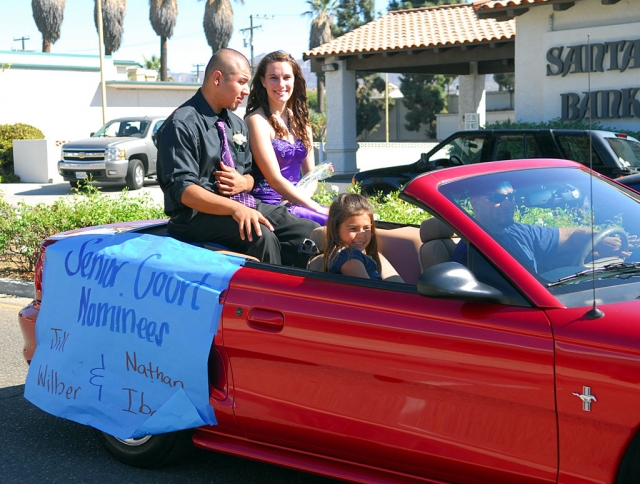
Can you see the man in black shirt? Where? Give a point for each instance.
(198, 186)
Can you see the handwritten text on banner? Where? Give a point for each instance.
(124, 332)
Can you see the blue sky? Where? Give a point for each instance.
(287, 30)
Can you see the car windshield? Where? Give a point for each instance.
(467, 149)
(544, 217)
(120, 129)
(627, 150)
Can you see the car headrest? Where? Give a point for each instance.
(317, 235)
(433, 228)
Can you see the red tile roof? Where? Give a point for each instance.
(416, 28)
(500, 8)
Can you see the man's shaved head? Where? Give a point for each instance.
(227, 61)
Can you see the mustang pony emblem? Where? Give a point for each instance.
(586, 398)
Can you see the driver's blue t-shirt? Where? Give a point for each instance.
(528, 243)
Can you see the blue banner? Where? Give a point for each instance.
(124, 332)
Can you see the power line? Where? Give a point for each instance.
(23, 38)
(250, 30)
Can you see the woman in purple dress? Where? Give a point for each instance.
(280, 136)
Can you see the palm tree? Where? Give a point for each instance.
(323, 11)
(218, 23)
(48, 15)
(163, 14)
(113, 12)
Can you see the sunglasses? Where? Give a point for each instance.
(498, 197)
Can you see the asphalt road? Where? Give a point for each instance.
(37, 448)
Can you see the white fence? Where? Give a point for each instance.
(378, 155)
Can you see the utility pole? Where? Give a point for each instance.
(197, 73)
(23, 38)
(250, 30)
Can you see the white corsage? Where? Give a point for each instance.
(239, 139)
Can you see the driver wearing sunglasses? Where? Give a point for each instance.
(493, 209)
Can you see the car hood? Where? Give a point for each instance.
(95, 143)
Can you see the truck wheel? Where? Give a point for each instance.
(135, 175)
(149, 451)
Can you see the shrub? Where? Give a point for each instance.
(8, 133)
(23, 227)
(557, 124)
(388, 208)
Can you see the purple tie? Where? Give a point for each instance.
(225, 156)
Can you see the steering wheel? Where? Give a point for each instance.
(455, 160)
(579, 261)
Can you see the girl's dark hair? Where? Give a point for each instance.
(345, 206)
(297, 104)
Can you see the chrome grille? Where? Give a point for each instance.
(83, 155)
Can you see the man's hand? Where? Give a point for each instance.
(249, 220)
(230, 182)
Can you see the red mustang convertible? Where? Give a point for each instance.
(509, 352)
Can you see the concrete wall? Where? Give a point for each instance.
(538, 94)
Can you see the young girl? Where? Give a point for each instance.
(351, 244)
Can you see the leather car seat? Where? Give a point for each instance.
(437, 243)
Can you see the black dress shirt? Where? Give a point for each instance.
(189, 152)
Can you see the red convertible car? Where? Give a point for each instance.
(510, 352)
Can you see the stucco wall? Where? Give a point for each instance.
(538, 96)
(60, 94)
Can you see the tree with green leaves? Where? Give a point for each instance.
(48, 15)
(351, 14)
(322, 12)
(506, 81)
(154, 63)
(163, 15)
(113, 13)
(424, 97)
(218, 23)
(402, 5)
(367, 108)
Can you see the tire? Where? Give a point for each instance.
(629, 471)
(135, 175)
(150, 451)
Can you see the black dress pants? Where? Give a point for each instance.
(277, 247)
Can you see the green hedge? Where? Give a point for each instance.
(557, 124)
(8, 133)
(23, 227)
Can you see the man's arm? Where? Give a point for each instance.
(197, 198)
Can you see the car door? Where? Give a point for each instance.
(375, 374)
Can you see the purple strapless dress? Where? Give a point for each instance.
(290, 157)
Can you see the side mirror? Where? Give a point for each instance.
(92, 133)
(450, 280)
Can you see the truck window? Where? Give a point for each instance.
(576, 148)
(516, 146)
(627, 151)
(467, 149)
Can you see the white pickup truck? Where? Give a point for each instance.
(121, 151)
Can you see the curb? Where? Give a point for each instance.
(16, 287)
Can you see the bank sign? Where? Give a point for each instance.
(614, 57)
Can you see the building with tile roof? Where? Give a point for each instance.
(449, 39)
(549, 58)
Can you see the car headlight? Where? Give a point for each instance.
(115, 154)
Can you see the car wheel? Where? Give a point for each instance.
(135, 175)
(149, 451)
